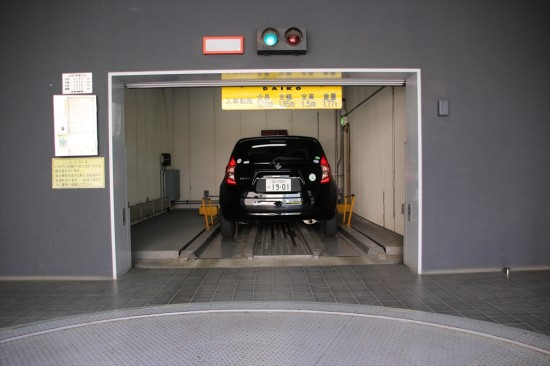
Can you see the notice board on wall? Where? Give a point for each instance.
(75, 125)
(82, 172)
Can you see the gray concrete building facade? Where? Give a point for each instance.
(484, 169)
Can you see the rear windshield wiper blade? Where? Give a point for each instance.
(285, 158)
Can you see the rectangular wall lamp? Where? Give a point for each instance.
(223, 45)
(442, 107)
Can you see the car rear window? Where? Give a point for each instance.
(265, 150)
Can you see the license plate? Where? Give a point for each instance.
(277, 185)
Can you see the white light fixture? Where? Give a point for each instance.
(216, 45)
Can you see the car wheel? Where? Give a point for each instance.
(330, 227)
(227, 228)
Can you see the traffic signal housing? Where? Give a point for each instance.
(281, 41)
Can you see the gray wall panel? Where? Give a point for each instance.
(485, 167)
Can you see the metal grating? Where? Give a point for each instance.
(270, 334)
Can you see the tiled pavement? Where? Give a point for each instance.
(520, 300)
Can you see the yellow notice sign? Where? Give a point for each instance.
(281, 97)
(282, 75)
(70, 173)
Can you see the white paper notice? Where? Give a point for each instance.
(75, 125)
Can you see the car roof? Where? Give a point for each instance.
(277, 137)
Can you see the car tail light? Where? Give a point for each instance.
(230, 172)
(325, 168)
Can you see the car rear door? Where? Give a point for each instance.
(279, 166)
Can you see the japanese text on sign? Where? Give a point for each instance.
(281, 97)
(77, 83)
(282, 75)
(70, 173)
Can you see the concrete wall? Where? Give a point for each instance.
(485, 167)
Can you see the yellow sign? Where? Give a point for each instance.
(282, 75)
(281, 97)
(70, 173)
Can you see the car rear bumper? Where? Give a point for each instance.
(244, 207)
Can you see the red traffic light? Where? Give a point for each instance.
(293, 37)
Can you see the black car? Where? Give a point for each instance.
(278, 178)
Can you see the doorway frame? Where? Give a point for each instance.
(118, 188)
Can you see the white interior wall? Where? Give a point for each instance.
(400, 153)
(149, 132)
(202, 145)
(377, 161)
(190, 124)
(181, 155)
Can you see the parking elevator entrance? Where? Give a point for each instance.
(409, 78)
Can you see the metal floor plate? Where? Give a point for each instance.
(270, 334)
(278, 239)
(163, 237)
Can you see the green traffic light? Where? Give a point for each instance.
(270, 38)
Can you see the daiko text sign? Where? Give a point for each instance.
(281, 97)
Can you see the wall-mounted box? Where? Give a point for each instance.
(442, 107)
(172, 182)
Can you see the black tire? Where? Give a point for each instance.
(227, 228)
(330, 227)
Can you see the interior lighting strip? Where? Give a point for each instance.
(250, 82)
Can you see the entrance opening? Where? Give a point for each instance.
(360, 81)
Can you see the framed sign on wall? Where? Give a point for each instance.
(75, 125)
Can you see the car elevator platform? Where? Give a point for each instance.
(179, 238)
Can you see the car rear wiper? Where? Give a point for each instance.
(285, 158)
